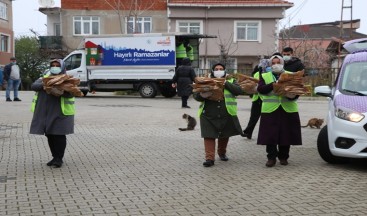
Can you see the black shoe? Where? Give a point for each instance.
(17, 99)
(51, 162)
(270, 163)
(223, 157)
(283, 162)
(248, 136)
(58, 163)
(186, 107)
(208, 163)
(8, 99)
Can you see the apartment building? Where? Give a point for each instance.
(245, 29)
(6, 32)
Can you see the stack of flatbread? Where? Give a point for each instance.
(214, 86)
(291, 83)
(56, 85)
(248, 84)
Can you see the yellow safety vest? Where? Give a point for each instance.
(190, 53)
(181, 51)
(256, 96)
(230, 101)
(67, 104)
(271, 101)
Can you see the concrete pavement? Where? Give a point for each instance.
(127, 157)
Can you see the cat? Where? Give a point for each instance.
(314, 122)
(191, 122)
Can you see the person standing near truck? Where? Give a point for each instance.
(182, 80)
(53, 116)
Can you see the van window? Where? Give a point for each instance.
(73, 61)
(355, 77)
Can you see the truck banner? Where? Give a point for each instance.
(153, 50)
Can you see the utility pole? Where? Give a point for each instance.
(341, 34)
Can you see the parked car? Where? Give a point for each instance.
(345, 134)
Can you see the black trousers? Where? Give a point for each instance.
(280, 151)
(254, 116)
(57, 144)
(184, 100)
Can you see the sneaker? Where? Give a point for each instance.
(8, 99)
(17, 99)
(208, 163)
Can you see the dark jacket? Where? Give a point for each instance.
(215, 121)
(7, 71)
(293, 65)
(184, 76)
(48, 117)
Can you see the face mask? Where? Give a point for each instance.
(278, 68)
(14, 62)
(219, 73)
(55, 70)
(287, 58)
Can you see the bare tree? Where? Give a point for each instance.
(131, 8)
(226, 48)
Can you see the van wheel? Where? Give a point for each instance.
(148, 90)
(324, 149)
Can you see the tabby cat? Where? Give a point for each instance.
(191, 122)
(314, 122)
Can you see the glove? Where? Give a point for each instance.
(206, 94)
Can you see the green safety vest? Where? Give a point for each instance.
(256, 95)
(181, 51)
(230, 101)
(271, 101)
(67, 104)
(190, 53)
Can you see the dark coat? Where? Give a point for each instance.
(215, 121)
(48, 117)
(184, 76)
(278, 127)
(293, 65)
(7, 71)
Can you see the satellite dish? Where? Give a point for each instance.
(46, 3)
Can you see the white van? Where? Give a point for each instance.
(345, 134)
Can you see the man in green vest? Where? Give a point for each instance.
(180, 52)
(53, 114)
(280, 125)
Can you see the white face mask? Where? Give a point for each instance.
(55, 70)
(278, 68)
(219, 73)
(287, 58)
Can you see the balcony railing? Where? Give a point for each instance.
(51, 42)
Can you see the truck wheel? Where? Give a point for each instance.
(324, 150)
(167, 90)
(85, 92)
(148, 90)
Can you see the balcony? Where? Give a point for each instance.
(51, 42)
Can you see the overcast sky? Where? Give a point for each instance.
(27, 16)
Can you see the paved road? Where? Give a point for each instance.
(127, 157)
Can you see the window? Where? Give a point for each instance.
(3, 11)
(194, 27)
(141, 25)
(4, 43)
(247, 30)
(86, 25)
(73, 62)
